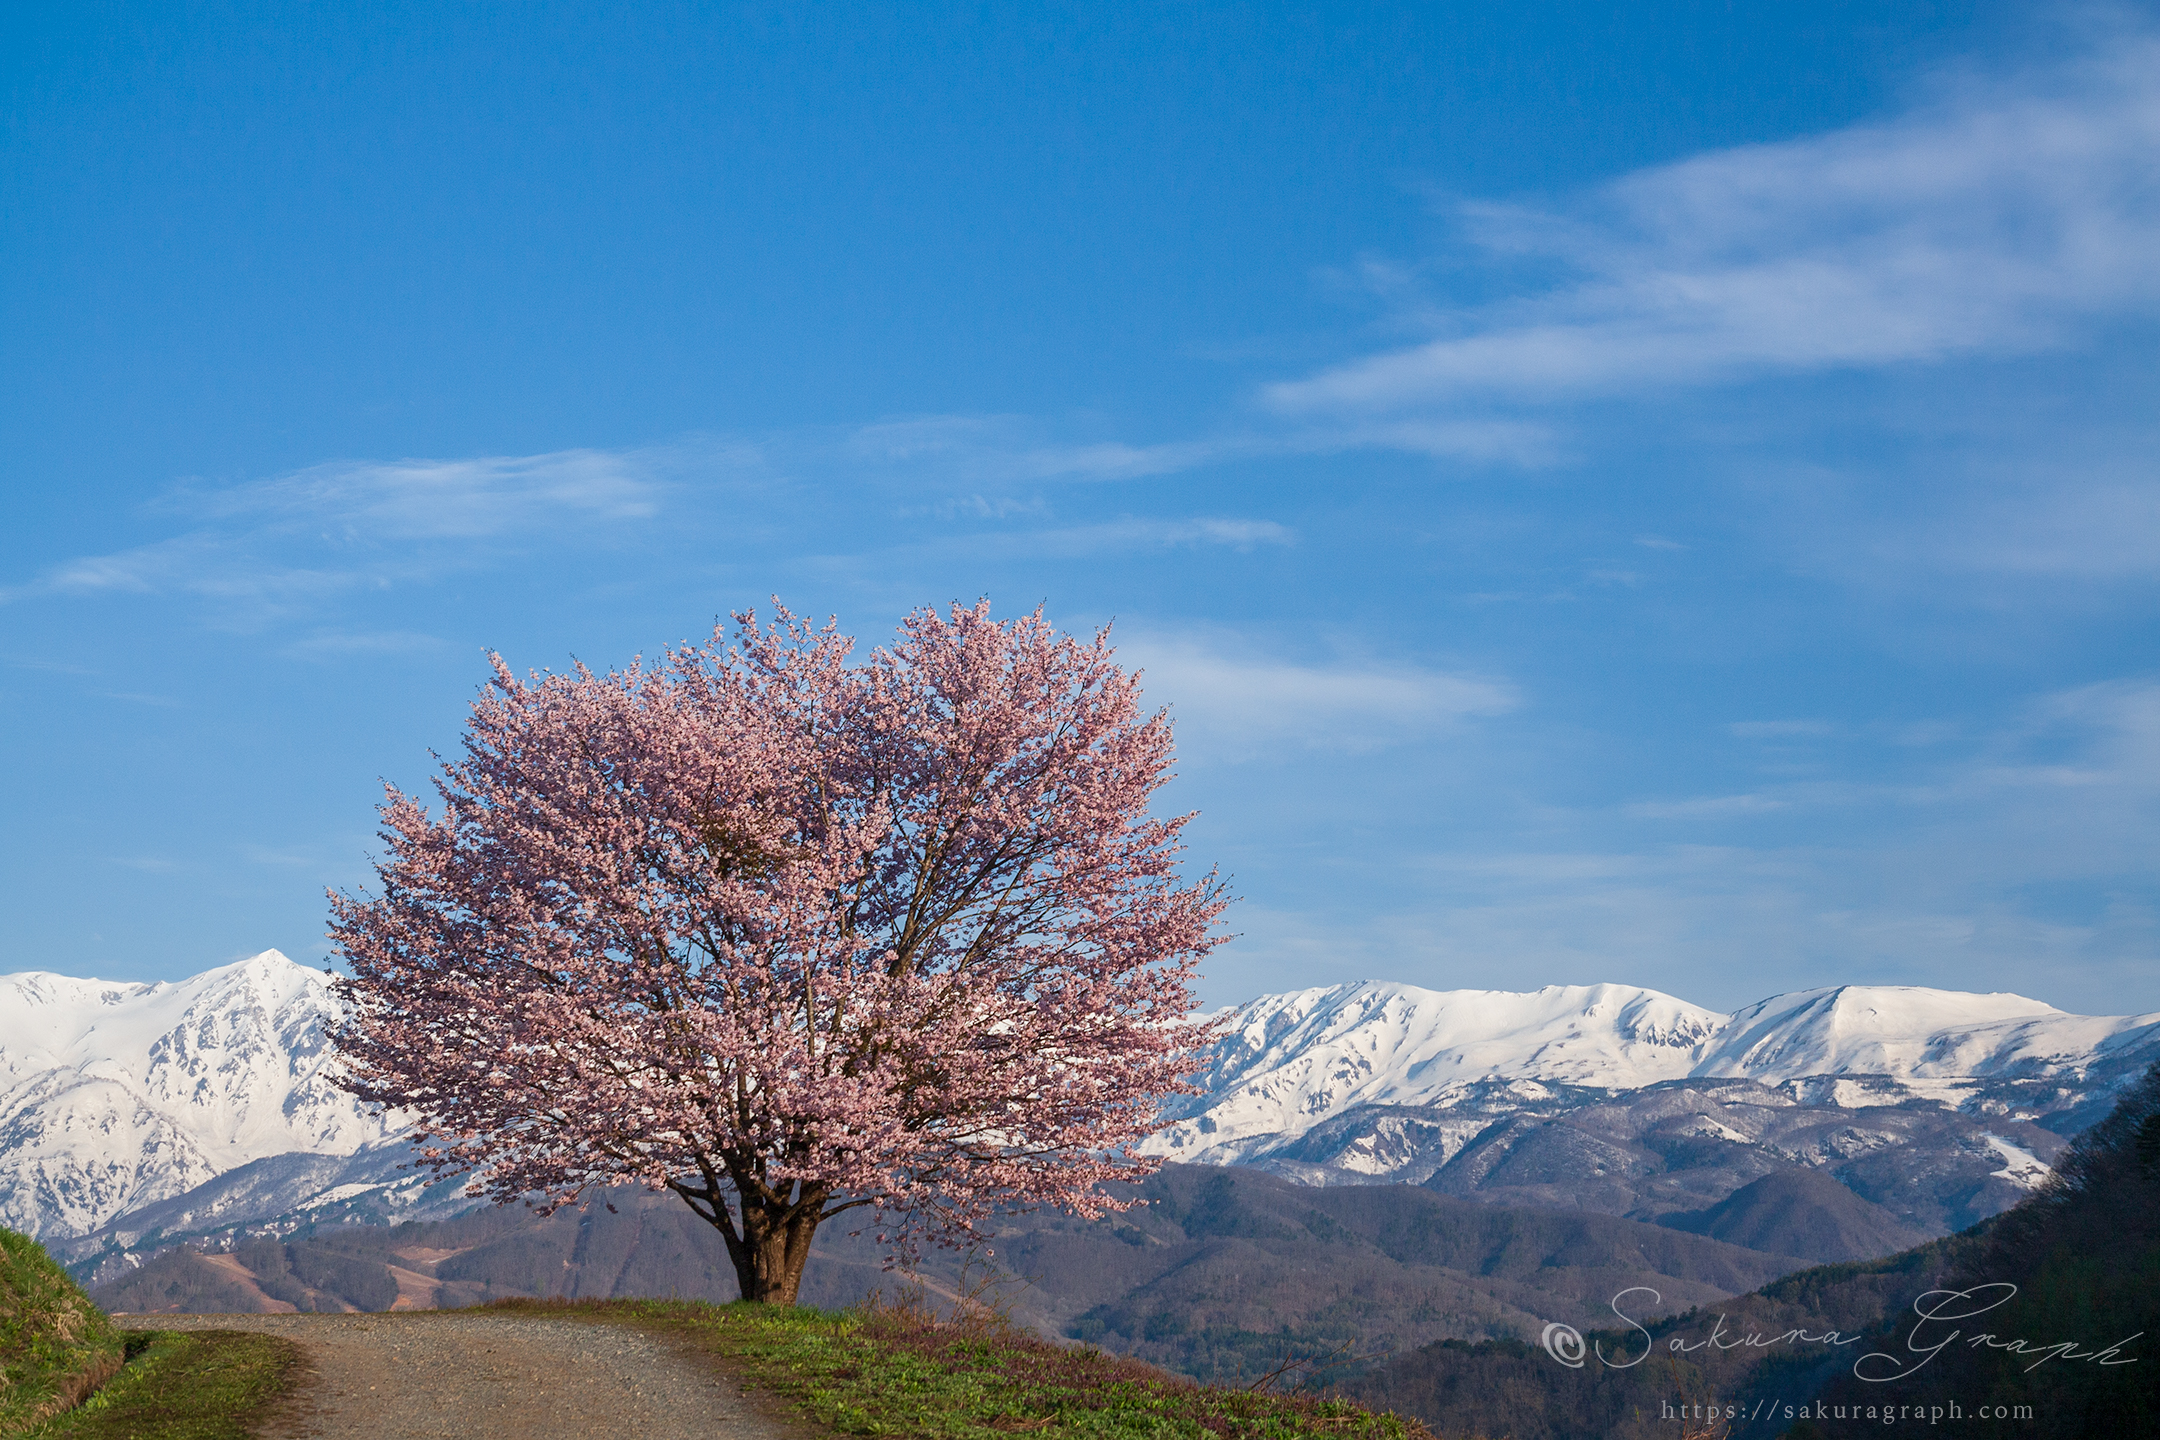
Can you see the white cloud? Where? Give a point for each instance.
(288, 858)
(1231, 703)
(2025, 861)
(990, 450)
(210, 565)
(2104, 736)
(1109, 538)
(365, 524)
(1123, 535)
(2083, 527)
(2001, 216)
(1707, 807)
(444, 499)
(1003, 450)
(1512, 442)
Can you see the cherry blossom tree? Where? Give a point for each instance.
(790, 934)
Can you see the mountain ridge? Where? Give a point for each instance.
(114, 1095)
(116, 1098)
(1290, 1063)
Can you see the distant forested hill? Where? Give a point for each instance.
(1219, 1272)
(2078, 1265)
(2083, 1257)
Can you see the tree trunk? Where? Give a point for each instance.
(773, 1244)
(769, 1259)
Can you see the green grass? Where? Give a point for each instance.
(887, 1374)
(55, 1346)
(184, 1385)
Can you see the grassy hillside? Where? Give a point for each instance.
(55, 1346)
(193, 1385)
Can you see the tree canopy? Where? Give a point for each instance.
(790, 933)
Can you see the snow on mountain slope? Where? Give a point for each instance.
(1288, 1063)
(116, 1095)
(1913, 1034)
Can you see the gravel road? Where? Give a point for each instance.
(492, 1377)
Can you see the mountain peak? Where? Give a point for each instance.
(116, 1094)
(1288, 1063)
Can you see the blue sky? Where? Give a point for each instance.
(1655, 493)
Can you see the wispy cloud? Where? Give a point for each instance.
(944, 451)
(1706, 807)
(2104, 736)
(978, 449)
(2022, 861)
(1118, 536)
(1233, 703)
(442, 499)
(287, 858)
(2040, 525)
(53, 667)
(2102, 739)
(149, 864)
(289, 544)
(332, 646)
(1128, 536)
(2001, 215)
(212, 565)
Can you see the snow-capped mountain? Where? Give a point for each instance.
(114, 1096)
(1944, 1043)
(135, 1115)
(1288, 1064)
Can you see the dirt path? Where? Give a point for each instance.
(493, 1377)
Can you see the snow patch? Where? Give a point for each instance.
(2020, 1166)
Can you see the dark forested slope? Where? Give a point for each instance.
(2047, 1324)
(2066, 1291)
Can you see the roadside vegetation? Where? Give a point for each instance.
(184, 1385)
(906, 1372)
(55, 1346)
(67, 1370)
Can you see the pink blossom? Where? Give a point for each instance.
(789, 935)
